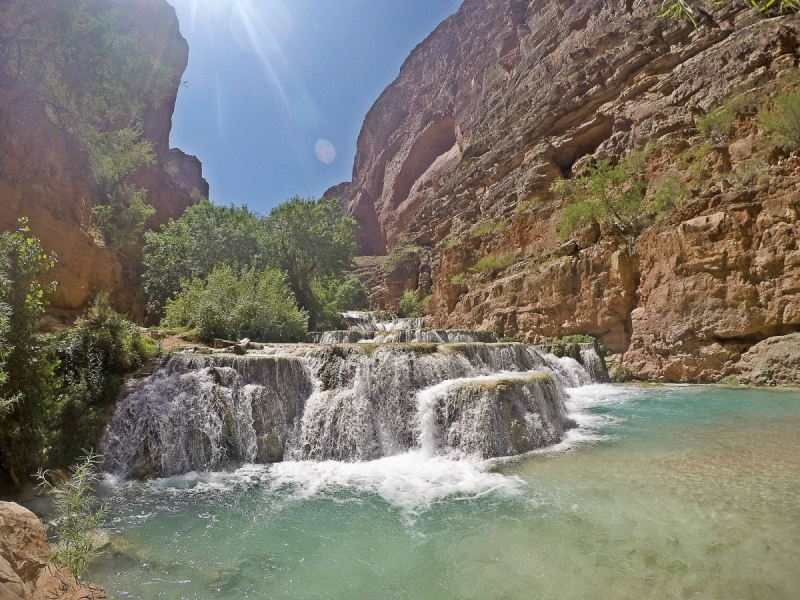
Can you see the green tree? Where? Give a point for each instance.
(188, 249)
(230, 303)
(608, 195)
(29, 368)
(5, 350)
(311, 241)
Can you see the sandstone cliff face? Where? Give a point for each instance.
(457, 156)
(24, 571)
(44, 176)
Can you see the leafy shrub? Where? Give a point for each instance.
(29, 369)
(669, 195)
(608, 195)
(459, 279)
(234, 304)
(122, 220)
(492, 264)
(486, 227)
(411, 306)
(453, 241)
(78, 515)
(93, 359)
(351, 295)
(783, 118)
(716, 123)
(512, 297)
(334, 296)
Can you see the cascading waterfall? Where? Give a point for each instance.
(380, 393)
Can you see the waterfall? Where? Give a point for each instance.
(447, 393)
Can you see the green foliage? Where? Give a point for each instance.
(188, 249)
(608, 195)
(492, 264)
(351, 295)
(453, 242)
(398, 255)
(29, 370)
(234, 304)
(716, 123)
(123, 219)
(512, 296)
(669, 195)
(411, 306)
(782, 118)
(78, 515)
(6, 404)
(483, 228)
(311, 241)
(528, 205)
(582, 339)
(93, 359)
(683, 9)
(459, 279)
(95, 84)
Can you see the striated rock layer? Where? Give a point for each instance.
(44, 178)
(456, 158)
(24, 571)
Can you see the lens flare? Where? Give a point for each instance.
(260, 28)
(326, 153)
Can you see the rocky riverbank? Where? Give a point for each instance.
(25, 573)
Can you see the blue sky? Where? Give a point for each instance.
(276, 90)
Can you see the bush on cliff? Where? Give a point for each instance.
(782, 118)
(493, 264)
(683, 9)
(235, 304)
(94, 83)
(93, 359)
(608, 195)
(411, 306)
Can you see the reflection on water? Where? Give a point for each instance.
(662, 493)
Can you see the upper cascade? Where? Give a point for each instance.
(378, 321)
(448, 393)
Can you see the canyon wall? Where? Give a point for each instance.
(46, 177)
(456, 159)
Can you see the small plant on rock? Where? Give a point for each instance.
(78, 515)
(783, 118)
(492, 265)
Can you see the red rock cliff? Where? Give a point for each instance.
(456, 158)
(43, 177)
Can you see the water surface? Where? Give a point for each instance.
(673, 492)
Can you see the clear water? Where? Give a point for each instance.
(689, 492)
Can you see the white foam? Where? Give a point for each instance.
(412, 481)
